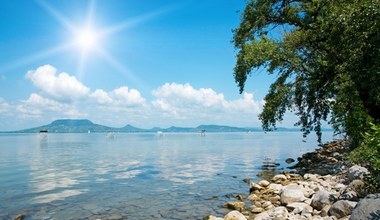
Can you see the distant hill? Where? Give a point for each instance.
(225, 128)
(69, 126)
(178, 129)
(130, 128)
(84, 126)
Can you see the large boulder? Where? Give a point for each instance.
(320, 200)
(367, 208)
(292, 193)
(340, 209)
(356, 172)
(234, 215)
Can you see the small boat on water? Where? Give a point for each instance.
(110, 135)
(43, 131)
(203, 132)
(160, 133)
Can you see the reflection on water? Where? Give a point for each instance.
(128, 174)
(269, 169)
(43, 140)
(70, 176)
(52, 177)
(57, 196)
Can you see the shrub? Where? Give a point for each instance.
(368, 154)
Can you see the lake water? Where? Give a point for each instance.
(134, 176)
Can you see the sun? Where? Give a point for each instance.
(86, 39)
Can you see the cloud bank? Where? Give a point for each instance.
(61, 95)
(62, 86)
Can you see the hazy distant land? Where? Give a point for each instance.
(85, 126)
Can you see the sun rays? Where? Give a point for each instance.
(85, 40)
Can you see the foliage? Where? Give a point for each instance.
(326, 57)
(368, 153)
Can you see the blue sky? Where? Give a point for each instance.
(116, 62)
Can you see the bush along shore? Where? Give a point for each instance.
(324, 186)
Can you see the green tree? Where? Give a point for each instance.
(326, 57)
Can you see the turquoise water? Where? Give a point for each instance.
(134, 176)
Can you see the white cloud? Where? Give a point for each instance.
(165, 107)
(185, 95)
(63, 96)
(246, 104)
(118, 107)
(62, 86)
(182, 101)
(125, 96)
(37, 106)
(101, 97)
(120, 97)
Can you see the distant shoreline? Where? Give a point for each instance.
(86, 126)
(153, 132)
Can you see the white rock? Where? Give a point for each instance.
(298, 207)
(211, 217)
(340, 187)
(352, 203)
(325, 184)
(307, 192)
(356, 172)
(265, 204)
(279, 178)
(234, 215)
(320, 200)
(292, 193)
(308, 201)
(295, 216)
(264, 183)
(305, 213)
(261, 216)
(279, 213)
(255, 209)
(325, 210)
(311, 177)
(255, 186)
(269, 207)
(253, 197)
(277, 188)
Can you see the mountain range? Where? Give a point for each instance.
(85, 126)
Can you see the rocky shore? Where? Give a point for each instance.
(324, 186)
